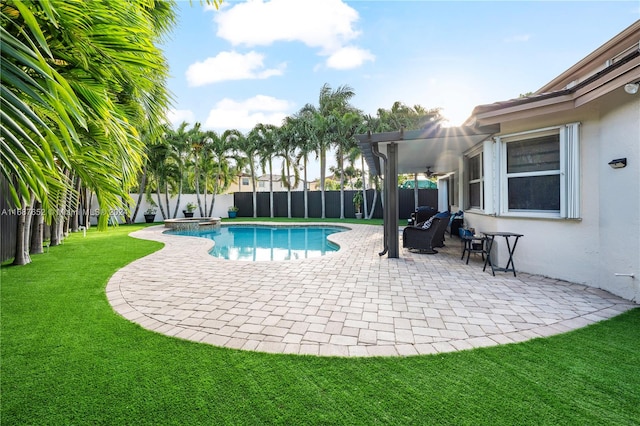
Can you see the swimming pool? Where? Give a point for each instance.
(264, 242)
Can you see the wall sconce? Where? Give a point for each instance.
(618, 163)
(631, 88)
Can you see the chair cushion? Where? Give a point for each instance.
(427, 223)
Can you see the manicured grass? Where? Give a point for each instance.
(67, 358)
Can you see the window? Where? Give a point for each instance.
(261, 184)
(540, 173)
(245, 181)
(533, 174)
(475, 184)
(452, 189)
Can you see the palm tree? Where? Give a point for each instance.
(332, 104)
(305, 148)
(288, 141)
(346, 126)
(223, 149)
(245, 152)
(264, 139)
(76, 90)
(182, 143)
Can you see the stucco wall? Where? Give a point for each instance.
(606, 241)
(220, 207)
(619, 197)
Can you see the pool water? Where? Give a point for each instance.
(270, 243)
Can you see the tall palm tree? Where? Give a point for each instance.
(246, 150)
(182, 142)
(306, 147)
(223, 149)
(76, 90)
(331, 104)
(264, 139)
(346, 126)
(287, 144)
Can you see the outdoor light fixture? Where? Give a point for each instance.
(631, 88)
(618, 163)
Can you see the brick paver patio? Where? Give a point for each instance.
(348, 303)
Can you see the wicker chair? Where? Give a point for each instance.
(422, 214)
(424, 240)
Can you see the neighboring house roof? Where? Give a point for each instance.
(611, 66)
(267, 178)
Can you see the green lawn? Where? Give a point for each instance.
(67, 358)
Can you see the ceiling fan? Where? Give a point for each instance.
(429, 173)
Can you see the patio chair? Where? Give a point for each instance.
(425, 239)
(422, 214)
(438, 239)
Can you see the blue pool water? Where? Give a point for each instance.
(257, 243)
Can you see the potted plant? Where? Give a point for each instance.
(357, 202)
(150, 215)
(233, 211)
(189, 208)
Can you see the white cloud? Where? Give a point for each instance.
(328, 25)
(243, 115)
(317, 23)
(177, 116)
(349, 57)
(230, 66)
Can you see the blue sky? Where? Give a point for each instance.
(260, 61)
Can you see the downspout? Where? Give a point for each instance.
(374, 149)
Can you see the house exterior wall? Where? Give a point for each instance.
(605, 241)
(262, 185)
(619, 197)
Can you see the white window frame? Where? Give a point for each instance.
(478, 151)
(569, 172)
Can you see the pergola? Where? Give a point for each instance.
(392, 153)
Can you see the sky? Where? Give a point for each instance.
(259, 61)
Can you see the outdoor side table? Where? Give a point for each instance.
(473, 244)
(511, 249)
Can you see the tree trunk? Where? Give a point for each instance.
(89, 202)
(271, 206)
(206, 192)
(75, 224)
(341, 166)
(213, 200)
(253, 190)
(37, 230)
(166, 199)
(175, 211)
(216, 188)
(141, 191)
(373, 204)
(55, 237)
(56, 230)
(66, 226)
(305, 190)
(196, 183)
(22, 254)
(323, 165)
